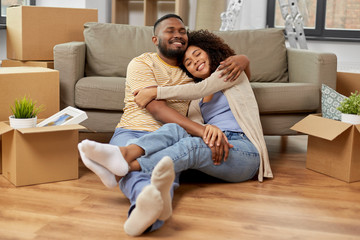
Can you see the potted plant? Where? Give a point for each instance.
(25, 113)
(350, 109)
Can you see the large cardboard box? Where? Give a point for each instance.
(18, 63)
(346, 83)
(39, 155)
(40, 84)
(33, 31)
(333, 147)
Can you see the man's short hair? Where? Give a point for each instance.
(170, 15)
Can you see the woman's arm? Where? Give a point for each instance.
(212, 84)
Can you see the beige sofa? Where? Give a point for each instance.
(286, 82)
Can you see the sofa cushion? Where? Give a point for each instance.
(287, 97)
(110, 47)
(330, 101)
(266, 50)
(106, 93)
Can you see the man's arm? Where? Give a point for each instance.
(165, 114)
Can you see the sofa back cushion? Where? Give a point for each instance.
(266, 50)
(110, 47)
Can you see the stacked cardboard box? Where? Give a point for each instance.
(33, 31)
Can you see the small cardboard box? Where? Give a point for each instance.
(18, 63)
(33, 31)
(346, 83)
(39, 155)
(333, 147)
(40, 84)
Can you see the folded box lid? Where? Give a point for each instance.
(5, 127)
(322, 127)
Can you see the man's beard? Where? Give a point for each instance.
(170, 53)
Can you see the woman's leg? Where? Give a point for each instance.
(121, 159)
(192, 153)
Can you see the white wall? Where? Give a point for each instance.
(252, 16)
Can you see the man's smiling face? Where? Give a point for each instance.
(172, 38)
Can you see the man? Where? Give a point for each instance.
(150, 196)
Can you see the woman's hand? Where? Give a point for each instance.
(145, 95)
(233, 67)
(217, 142)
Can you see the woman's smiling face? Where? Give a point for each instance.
(197, 62)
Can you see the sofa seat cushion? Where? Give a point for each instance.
(105, 93)
(287, 97)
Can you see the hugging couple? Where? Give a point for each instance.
(187, 106)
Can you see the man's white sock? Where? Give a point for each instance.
(162, 178)
(149, 206)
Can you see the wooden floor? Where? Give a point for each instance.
(296, 204)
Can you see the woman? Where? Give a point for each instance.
(231, 115)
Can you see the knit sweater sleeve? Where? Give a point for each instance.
(193, 91)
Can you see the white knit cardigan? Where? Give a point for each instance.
(242, 103)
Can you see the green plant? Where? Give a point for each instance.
(351, 105)
(25, 108)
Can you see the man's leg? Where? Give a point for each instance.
(133, 184)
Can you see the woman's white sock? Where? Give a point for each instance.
(106, 155)
(105, 175)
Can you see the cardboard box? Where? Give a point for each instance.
(33, 31)
(39, 155)
(346, 83)
(40, 84)
(18, 63)
(333, 147)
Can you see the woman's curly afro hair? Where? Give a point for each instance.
(213, 45)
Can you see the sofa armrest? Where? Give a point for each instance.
(312, 67)
(69, 60)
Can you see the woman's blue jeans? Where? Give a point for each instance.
(189, 152)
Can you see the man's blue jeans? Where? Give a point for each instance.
(189, 152)
(133, 183)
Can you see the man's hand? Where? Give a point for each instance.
(233, 66)
(145, 95)
(217, 142)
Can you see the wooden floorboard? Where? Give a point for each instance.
(297, 204)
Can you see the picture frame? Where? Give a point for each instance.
(67, 116)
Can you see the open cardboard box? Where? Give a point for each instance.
(39, 155)
(333, 147)
(346, 83)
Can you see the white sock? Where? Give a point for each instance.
(106, 155)
(149, 206)
(105, 175)
(162, 178)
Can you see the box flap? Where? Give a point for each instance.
(321, 127)
(4, 128)
(358, 127)
(51, 129)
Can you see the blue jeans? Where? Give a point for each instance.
(133, 183)
(189, 152)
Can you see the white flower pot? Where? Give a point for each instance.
(17, 123)
(350, 118)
